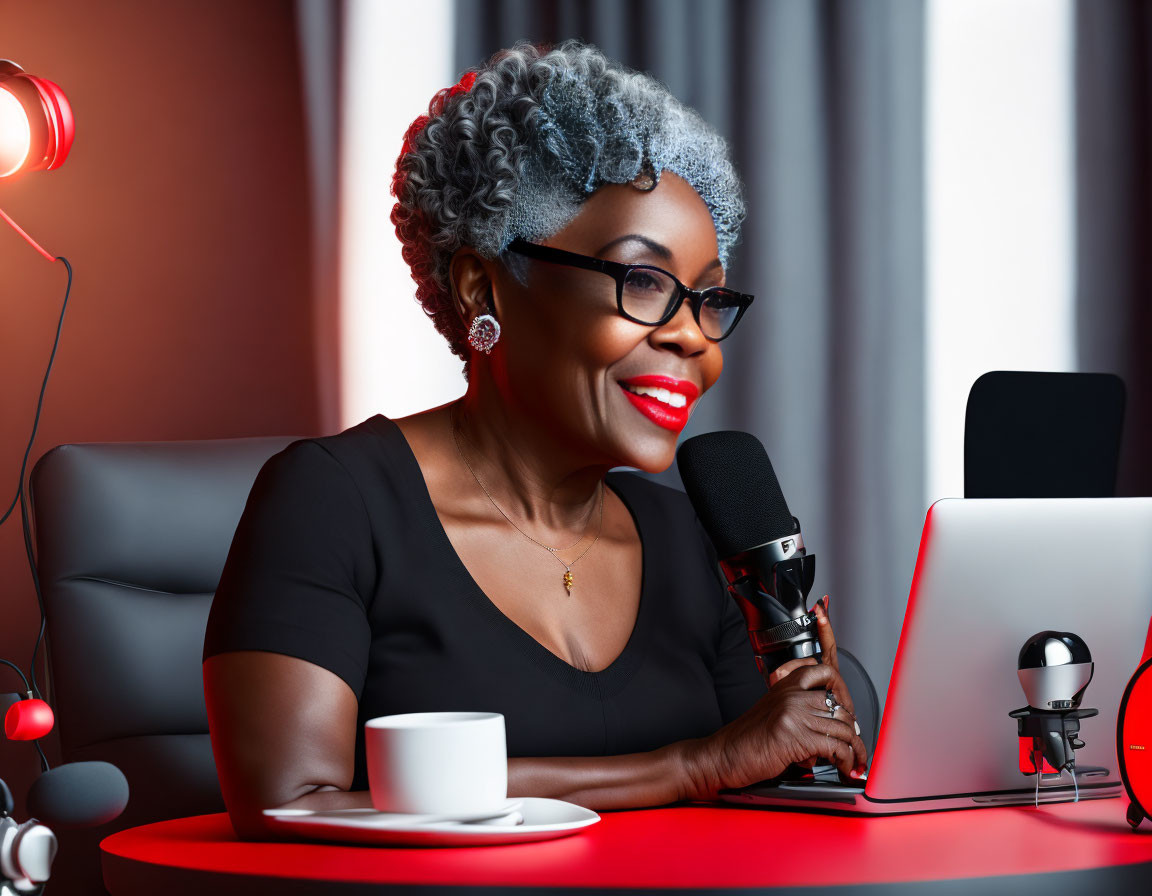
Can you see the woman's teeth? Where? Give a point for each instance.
(674, 399)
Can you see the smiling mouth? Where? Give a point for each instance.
(665, 401)
(664, 396)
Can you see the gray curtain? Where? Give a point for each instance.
(1114, 213)
(319, 29)
(822, 104)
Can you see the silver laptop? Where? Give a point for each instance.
(990, 574)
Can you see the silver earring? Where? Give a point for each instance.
(484, 333)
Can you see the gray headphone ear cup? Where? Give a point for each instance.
(26, 854)
(8, 830)
(33, 849)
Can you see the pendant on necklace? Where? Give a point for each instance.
(568, 580)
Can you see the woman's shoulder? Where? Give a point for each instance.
(355, 449)
(365, 437)
(366, 465)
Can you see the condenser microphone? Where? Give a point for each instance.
(734, 490)
(78, 795)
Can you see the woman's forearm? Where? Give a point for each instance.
(630, 781)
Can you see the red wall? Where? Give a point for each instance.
(183, 209)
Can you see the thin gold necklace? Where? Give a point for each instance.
(569, 581)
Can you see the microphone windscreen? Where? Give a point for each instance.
(733, 488)
(78, 795)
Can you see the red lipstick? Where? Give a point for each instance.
(659, 412)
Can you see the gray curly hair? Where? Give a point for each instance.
(516, 151)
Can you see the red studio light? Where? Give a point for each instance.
(36, 123)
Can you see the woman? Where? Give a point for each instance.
(480, 555)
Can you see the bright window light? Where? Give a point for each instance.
(999, 206)
(397, 55)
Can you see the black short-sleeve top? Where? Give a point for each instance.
(340, 559)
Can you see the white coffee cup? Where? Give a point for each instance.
(437, 763)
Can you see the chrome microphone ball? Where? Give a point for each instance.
(1054, 669)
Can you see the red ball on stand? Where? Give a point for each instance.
(28, 720)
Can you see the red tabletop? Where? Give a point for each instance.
(681, 847)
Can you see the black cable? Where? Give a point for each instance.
(36, 585)
(22, 500)
(40, 403)
(23, 467)
(19, 672)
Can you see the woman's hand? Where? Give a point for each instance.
(791, 724)
(829, 655)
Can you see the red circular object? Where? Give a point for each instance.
(681, 848)
(49, 114)
(28, 720)
(1134, 743)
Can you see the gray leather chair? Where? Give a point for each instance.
(132, 539)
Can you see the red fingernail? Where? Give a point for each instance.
(825, 603)
(853, 774)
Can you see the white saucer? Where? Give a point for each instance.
(543, 819)
(372, 818)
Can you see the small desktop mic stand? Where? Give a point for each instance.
(1055, 738)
